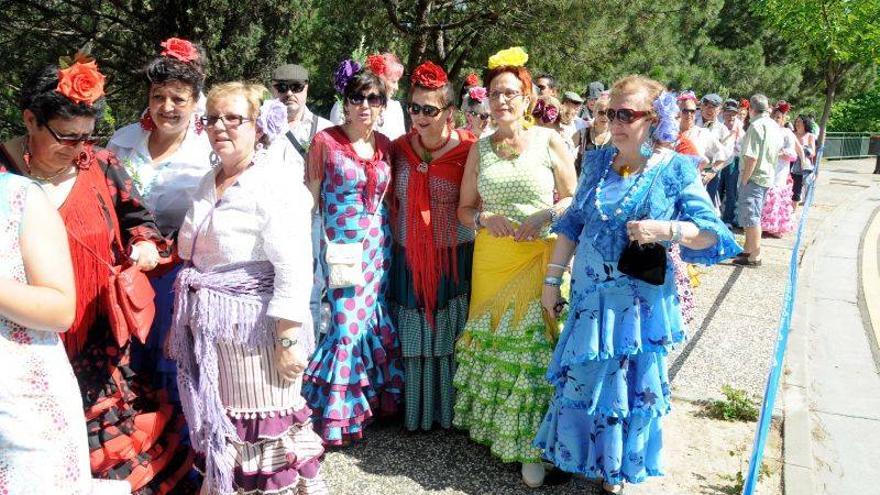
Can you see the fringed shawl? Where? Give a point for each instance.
(223, 306)
(427, 262)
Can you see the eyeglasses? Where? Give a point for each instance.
(625, 115)
(71, 139)
(229, 121)
(688, 111)
(541, 87)
(292, 86)
(372, 99)
(482, 116)
(601, 113)
(426, 110)
(508, 95)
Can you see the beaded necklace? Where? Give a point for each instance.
(627, 197)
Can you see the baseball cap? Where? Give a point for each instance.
(712, 99)
(731, 104)
(290, 72)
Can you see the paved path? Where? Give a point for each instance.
(832, 386)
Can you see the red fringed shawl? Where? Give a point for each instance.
(428, 262)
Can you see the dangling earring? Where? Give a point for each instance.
(200, 127)
(147, 123)
(26, 157)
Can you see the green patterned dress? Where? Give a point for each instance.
(506, 346)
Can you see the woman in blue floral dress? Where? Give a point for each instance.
(609, 368)
(356, 372)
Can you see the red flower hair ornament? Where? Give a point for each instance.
(376, 64)
(471, 80)
(179, 49)
(429, 75)
(783, 106)
(81, 83)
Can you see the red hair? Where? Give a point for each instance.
(521, 73)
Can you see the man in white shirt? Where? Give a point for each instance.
(572, 103)
(290, 85)
(729, 176)
(710, 109)
(713, 155)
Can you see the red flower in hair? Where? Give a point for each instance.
(81, 83)
(744, 104)
(376, 64)
(180, 49)
(429, 75)
(472, 80)
(783, 106)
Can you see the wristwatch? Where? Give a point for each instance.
(286, 342)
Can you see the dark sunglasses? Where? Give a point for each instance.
(72, 140)
(541, 87)
(482, 116)
(229, 121)
(426, 110)
(292, 86)
(372, 99)
(625, 115)
(688, 111)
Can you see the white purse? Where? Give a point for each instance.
(344, 264)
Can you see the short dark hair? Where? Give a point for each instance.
(39, 95)
(162, 70)
(363, 81)
(807, 119)
(549, 77)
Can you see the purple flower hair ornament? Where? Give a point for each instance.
(272, 119)
(666, 108)
(344, 72)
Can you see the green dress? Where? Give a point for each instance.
(506, 346)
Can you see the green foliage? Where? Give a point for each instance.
(738, 480)
(737, 406)
(859, 114)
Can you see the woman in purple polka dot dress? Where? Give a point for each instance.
(356, 371)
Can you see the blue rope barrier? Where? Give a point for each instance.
(776, 367)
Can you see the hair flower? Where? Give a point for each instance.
(81, 83)
(688, 95)
(551, 113)
(783, 106)
(180, 49)
(429, 75)
(344, 72)
(393, 67)
(272, 118)
(667, 127)
(478, 93)
(471, 80)
(510, 57)
(376, 64)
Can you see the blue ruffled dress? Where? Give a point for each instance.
(609, 366)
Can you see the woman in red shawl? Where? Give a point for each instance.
(132, 427)
(431, 261)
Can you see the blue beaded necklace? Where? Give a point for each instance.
(627, 198)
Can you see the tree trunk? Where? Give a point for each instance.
(830, 90)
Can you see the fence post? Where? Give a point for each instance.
(874, 149)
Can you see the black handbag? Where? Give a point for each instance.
(646, 262)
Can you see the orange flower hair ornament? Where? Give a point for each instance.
(81, 82)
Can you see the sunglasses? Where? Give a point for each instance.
(372, 99)
(625, 115)
(688, 111)
(482, 116)
(601, 113)
(229, 121)
(72, 140)
(292, 86)
(541, 87)
(426, 110)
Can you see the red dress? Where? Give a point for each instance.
(133, 429)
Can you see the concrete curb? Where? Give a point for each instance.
(869, 283)
(798, 461)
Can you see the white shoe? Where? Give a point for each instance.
(533, 474)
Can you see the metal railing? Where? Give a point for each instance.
(847, 145)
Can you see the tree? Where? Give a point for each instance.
(836, 36)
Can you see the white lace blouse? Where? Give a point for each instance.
(264, 216)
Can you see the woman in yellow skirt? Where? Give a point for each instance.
(516, 182)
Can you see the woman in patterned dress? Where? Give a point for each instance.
(609, 367)
(43, 445)
(166, 154)
(507, 195)
(356, 372)
(431, 261)
(133, 429)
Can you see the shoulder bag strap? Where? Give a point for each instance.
(296, 144)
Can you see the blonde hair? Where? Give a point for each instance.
(604, 101)
(634, 84)
(253, 93)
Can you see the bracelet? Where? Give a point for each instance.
(553, 281)
(554, 265)
(675, 228)
(286, 342)
(477, 225)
